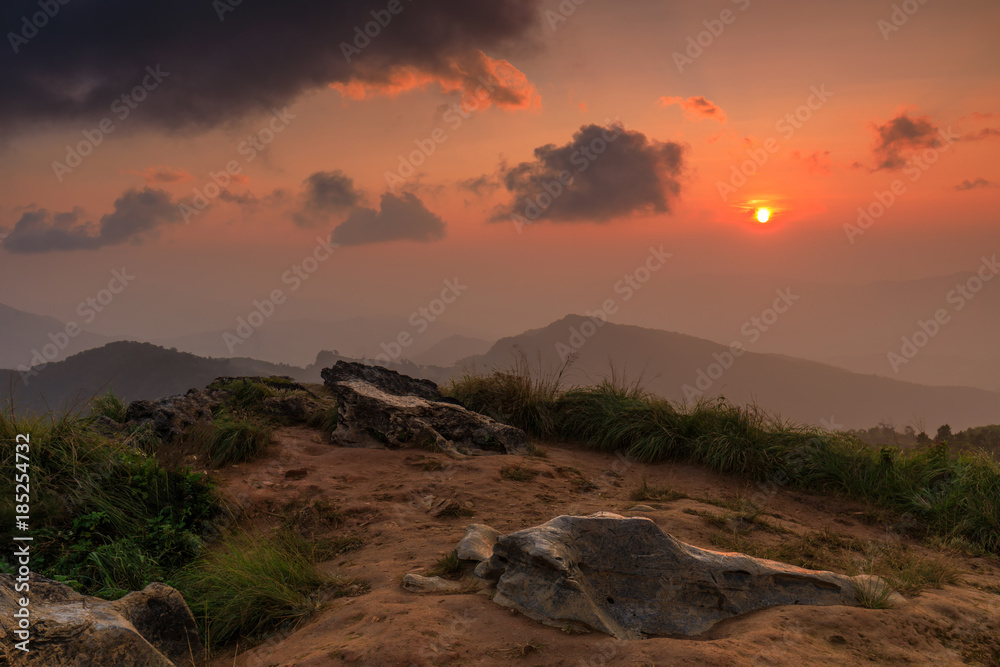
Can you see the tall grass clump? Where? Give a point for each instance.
(236, 439)
(515, 395)
(250, 584)
(109, 405)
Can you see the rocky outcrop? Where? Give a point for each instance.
(170, 417)
(627, 578)
(381, 408)
(148, 628)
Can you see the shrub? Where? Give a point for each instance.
(237, 439)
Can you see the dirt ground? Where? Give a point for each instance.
(383, 496)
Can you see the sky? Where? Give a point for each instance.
(533, 152)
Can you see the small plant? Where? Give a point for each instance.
(454, 510)
(326, 548)
(661, 492)
(449, 566)
(432, 465)
(517, 650)
(109, 405)
(873, 592)
(325, 419)
(518, 473)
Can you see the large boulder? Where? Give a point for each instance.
(627, 578)
(381, 408)
(148, 628)
(170, 417)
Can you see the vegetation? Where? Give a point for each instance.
(928, 490)
(661, 492)
(449, 566)
(237, 439)
(518, 473)
(106, 518)
(250, 583)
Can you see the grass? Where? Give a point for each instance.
(109, 405)
(250, 584)
(106, 517)
(660, 492)
(906, 570)
(926, 492)
(449, 566)
(516, 651)
(518, 473)
(236, 439)
(873, 593)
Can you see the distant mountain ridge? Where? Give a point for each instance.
(676, 366)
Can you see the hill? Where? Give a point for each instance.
(681, 367)
(23, 334)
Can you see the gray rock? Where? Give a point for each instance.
(478, 542)
(376, 411)
(148, 628)
(171, 417)
(627, 578)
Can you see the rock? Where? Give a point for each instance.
(388, 381)
(627, 578)
(171, 417)
(148, 628)
(416, 583)
(478, 542)
(641, 508)
(381, 408)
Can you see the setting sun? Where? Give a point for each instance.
(763, 214)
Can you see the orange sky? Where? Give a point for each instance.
(606, 61)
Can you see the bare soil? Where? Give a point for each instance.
(383, 496)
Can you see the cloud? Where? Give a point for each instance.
(222, 66)
(602, 173)
(324, 195)
(696, 108)
(985, 133)
(137, 214)
(972, 185)
(900, 134)
(481, 81)
(400, 218)
(480, 185)
(817, 162)
(153, 175)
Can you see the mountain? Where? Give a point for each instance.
(297, 341)
(451, 350)
(678, 367)
(133, 370)
(837, 323)
(23, 334)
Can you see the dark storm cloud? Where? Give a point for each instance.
(325, 194)
(136, 214)
(219, 66)
(400, 218)
(900, 134)
(603, 173)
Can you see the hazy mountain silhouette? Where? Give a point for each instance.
(21, 334)
(805, 391)
(451, 350)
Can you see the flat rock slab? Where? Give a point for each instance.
(629, 579)
(149, 628)
(381, 408)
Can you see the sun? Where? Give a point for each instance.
(763, 215)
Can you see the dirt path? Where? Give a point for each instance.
(383, 497)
